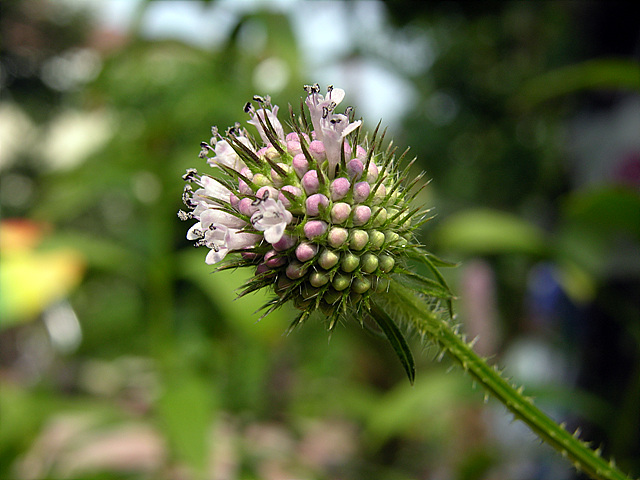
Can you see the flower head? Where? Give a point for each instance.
(319, 213)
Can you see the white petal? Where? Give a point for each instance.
(215, 257)
(191, 235)
(274, 233)
(336, 95)
(214, 189)
(219, 218)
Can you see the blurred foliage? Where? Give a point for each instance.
(174, 379)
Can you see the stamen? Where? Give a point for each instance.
(182, 215)
(190, 174)
(248, 108)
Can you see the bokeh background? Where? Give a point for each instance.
(123, 357)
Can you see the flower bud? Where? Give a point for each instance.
(310, 182)
(349, 262)
(337, 237)
(361, 192)
(361, 285)
(340, 212)
(318, 279)
(359, 239)
(306, 251)
(316, 203)
(341, 281)
(361, 215)
(339, 188)
(314, 229)
(328, 259)
(369, 262)
(386, 263)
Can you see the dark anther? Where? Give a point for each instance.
(265, 195)
(256, 202)
(257, 218)
(325, 112)
(348, 110)
(329, 88)
(190, 174)
(258, 98)
(248, 107)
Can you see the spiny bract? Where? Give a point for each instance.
(320, 213)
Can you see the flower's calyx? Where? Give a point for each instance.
(321, 213)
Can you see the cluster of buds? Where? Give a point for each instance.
(321, 214)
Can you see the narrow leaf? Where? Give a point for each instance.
(395, 337)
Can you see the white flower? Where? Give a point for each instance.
(221, 232)
(330, 128)
(335, 128)
(273, 119)
(208, 195)
(226, 155)
(271, 218)
(320, 107)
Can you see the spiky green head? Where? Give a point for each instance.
(321, 214)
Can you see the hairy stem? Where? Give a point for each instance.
(417, 314)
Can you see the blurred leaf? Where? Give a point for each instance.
(486, 232)
(185, 412)
(605, 210)
(617, 74)
(222, 288)
(426, 408)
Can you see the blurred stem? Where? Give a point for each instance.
(440, 331)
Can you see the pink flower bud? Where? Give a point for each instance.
(316, 148)
(372, 174)
(315, 203)
(314, 229)
(361, 192)
(244, 188)
(310, 182)
(300, 165)
(337, 237)
(293, 147)
(271, 259)
(355, 168)
(246, 207)
(285, 243)
(361, 215)
(273, 193)
(340, 212)
(339, 188)
(361, 154)
(306, 251)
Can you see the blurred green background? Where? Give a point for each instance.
(122, 356)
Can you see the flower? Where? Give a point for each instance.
(271, 218)
(320, 215)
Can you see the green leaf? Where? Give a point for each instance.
(485, 231)
(612, 74)
(395, 337)
(424, 285)
(185, 411)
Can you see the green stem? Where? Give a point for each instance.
(440, 331)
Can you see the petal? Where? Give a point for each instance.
(336, 95)
(215, 256)
(213, 216)
(274, 233)
(191, 234)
